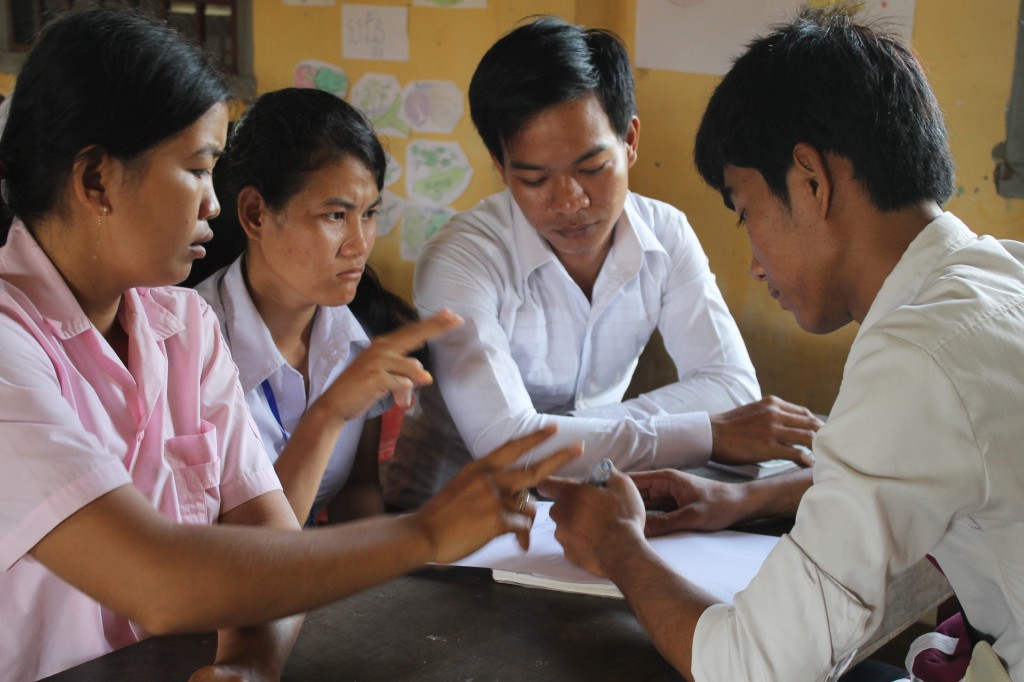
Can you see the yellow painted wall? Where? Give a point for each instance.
(444, 44)
(968, 53)
(967, 48)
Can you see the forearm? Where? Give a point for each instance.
(774, 497)
(262, 650)
(302, 463)
(361, 496)
(174, 578)
(356, 502)
(707, 391)
(666, 606)
(344, 560)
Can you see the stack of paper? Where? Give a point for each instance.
(771, 467)
(721, 563)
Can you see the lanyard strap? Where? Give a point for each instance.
(272, 402)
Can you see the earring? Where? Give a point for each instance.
(99, 220)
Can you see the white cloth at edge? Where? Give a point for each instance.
(336, 340)
(535, 351)
(921, 454)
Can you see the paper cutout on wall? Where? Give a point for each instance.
(391, 209)
(393, 171)
(451, 4)
(714, 32)
(379, 96)
(419, 224)
(436, 173)
(321, 76)
(373, 32)
(432, 106)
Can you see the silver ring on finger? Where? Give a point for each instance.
(524, 498)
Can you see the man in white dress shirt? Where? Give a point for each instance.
(562, 279)
(827, 141)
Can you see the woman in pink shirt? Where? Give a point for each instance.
(129, 457)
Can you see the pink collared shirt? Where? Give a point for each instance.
(75, 423)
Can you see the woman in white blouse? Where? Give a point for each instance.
(303, 171)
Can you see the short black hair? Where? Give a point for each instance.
(543, 63)
(844, 88)
(108, 77)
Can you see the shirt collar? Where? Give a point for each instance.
(24, 264)
(938, 239)
(335, 331)
(633, 237)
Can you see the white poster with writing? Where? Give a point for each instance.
(375, 32)
(705, 36)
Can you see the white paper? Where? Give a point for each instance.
(419, 223)
(451, 4)
(436, 173)
(321, 76)
(373, 32)
(722, 563)
(393, 171)
(432, 106)
(379, 96)
(391, 209)
(704, 36)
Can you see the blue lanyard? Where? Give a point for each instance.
(272, 402)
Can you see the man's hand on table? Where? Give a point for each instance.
(690, 502)
(767, 429)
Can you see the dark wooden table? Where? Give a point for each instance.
(456, 624)
(437, 624)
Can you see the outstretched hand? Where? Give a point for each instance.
(385, 368)
(770, 428)
(488, 498)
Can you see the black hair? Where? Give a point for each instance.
(106, 77)
(281, 139)
(842, 87)
(543, 63)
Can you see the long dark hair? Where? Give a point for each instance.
(277, 143)
(105, 77)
